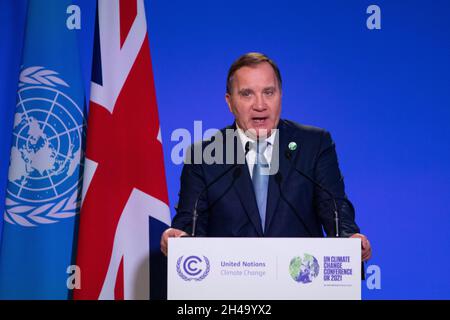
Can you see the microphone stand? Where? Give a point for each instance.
(333, 199)
(194, 211)
(336, 212)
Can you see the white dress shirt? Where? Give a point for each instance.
(251, 155)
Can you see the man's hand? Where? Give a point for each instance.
(366, 249)
(170, 233)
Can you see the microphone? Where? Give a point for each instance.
(288, 155)
(278, 179)
(236, 174)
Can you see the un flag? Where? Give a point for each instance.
(44, 180)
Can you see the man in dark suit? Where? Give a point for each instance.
(281, 176)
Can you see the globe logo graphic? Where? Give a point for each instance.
(45, 172)
(304, 269)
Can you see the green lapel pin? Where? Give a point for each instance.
(292, 146)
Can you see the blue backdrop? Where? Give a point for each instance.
(383, 94)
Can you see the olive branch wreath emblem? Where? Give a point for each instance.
(183, 276)
(29, 215)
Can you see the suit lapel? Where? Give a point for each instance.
(244, 189)
(284, 137)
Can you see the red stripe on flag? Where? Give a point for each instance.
(118, 289)
(128, 13)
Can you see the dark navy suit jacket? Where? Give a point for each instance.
(295, 207)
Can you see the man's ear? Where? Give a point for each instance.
(228, 100)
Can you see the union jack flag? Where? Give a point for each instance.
(125, 201)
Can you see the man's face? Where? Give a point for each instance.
(255, 99)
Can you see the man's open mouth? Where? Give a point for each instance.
(259, 120)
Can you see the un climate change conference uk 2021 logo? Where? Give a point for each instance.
(45, 172)
(304, 269)
(193, 268)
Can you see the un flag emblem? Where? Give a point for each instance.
(45, 169)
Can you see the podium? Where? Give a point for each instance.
(264, 269)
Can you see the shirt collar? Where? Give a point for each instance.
(244, 138)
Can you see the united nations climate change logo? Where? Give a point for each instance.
(45, 171)
(193, 268)
(304, 269)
